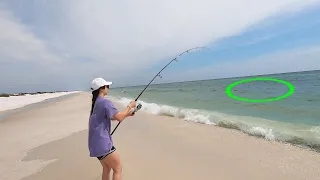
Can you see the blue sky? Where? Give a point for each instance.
(63, 45)
(278, 34)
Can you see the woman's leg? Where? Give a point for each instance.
(113, 161)
(106, 171)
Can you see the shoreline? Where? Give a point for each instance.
(30, 106)
(264, 128)
(52, 144)
(31, 93)
(21, 101)
(293, 140)
(30, 127)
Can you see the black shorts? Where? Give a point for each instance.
(111, 151)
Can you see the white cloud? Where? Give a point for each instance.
(18, 43)
(120, 37)
(145, 31)
(304, 59)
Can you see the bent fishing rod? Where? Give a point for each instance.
(157, 75)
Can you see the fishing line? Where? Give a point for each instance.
(158, 75)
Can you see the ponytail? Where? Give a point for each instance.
(95, 95)
(94, 98)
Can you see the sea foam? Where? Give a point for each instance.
(184, 113)
(260, 127)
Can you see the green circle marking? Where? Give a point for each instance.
(231, 86)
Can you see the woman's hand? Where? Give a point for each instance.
(120, 116)
(132, 104)
(131, 114)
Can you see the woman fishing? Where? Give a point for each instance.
(99, 139)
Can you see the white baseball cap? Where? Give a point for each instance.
(99, 82)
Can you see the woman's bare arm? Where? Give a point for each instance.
(120, 116)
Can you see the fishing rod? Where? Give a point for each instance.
(158, 74)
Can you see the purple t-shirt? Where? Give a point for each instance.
(99, 138)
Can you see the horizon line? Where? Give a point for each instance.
(290, 72)
(79, 89)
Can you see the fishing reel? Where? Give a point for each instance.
(137, 108)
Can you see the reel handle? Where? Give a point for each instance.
(137, 108)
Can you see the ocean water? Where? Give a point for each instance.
(295, 119)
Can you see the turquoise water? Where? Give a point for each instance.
(295, 119)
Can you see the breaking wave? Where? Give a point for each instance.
(301, 135)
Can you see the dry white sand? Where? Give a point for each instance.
(151, 147)
(28, 129)
(13, 102)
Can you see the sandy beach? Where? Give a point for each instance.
(49, 141)
(14, 102)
